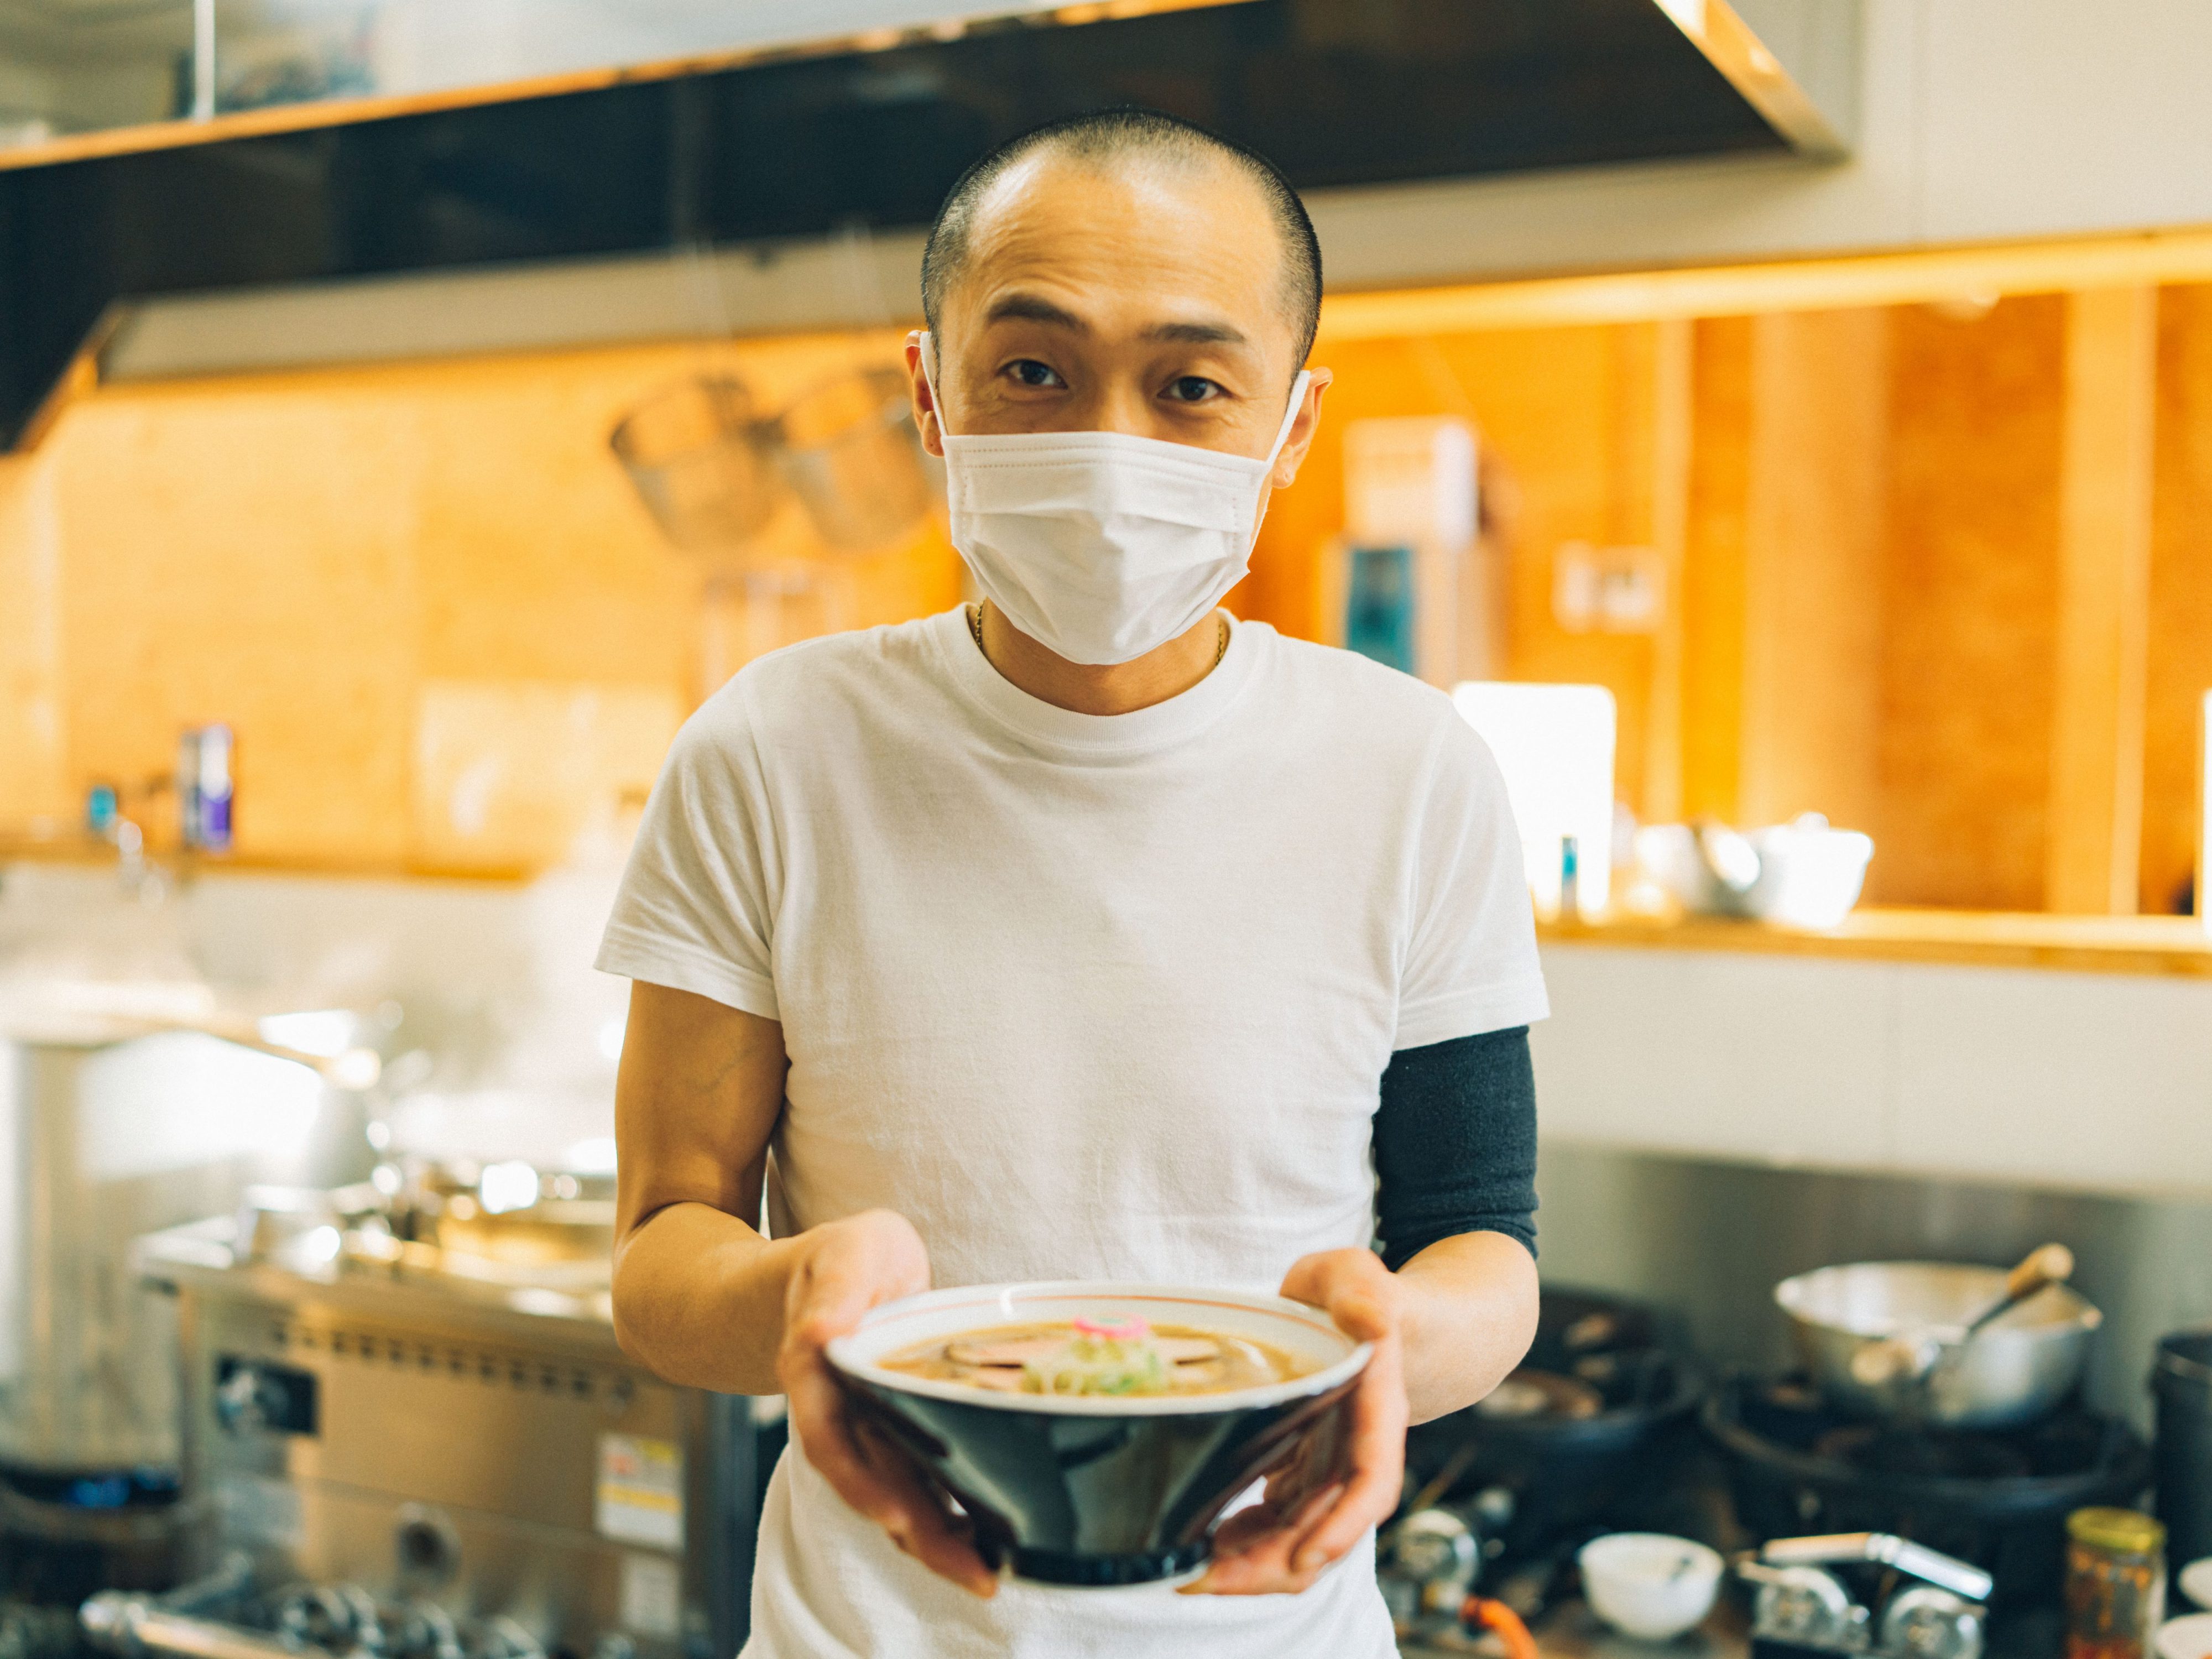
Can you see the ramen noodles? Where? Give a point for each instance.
(1121, 1358)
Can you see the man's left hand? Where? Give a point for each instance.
(1281, 1546)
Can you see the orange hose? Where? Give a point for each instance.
(1484, 1613)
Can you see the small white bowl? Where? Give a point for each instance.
(2196, 1582)
(2189, 1637)
(1648, 1584)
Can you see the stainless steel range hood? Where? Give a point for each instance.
(105, 77)
(319, 162)
(94, 77)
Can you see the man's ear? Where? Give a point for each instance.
(925, 421)
(1293, 453)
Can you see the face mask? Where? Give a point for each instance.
(1098, 545)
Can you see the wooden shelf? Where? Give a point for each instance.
(189, 866)
(2102, 945)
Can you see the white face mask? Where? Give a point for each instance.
(1098, 545)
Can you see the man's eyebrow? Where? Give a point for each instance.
(1034, 308)
(1197, 333)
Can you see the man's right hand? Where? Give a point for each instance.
(848, 1268)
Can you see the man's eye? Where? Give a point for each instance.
(1027, 371)
(1192, 389)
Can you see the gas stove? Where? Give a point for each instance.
(1593, 1434)
(1995, 1498)
(1863, 1595)
(239, 1612)
(405, 1441)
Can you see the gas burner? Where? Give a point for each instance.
(228, 1613)
(1998, 1499)
(1591, 1434)
(66, 1533)
(1918, 1452)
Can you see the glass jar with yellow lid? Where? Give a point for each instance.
(2115, 1583)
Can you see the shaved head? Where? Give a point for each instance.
(1130, 138)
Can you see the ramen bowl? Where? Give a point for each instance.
(1089, 1489)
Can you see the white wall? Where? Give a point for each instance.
(2074, 1082)
(492, 981)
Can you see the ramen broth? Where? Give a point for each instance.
(1083, 1357)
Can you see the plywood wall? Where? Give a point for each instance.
(1566, 419)
(1969, 609)
(1783, 590)
(425, 596)
(32, 767)
(449, 635)
(1869, 594)
(2180, 665)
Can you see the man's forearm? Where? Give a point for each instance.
(1469, 1315)
(699, 1297)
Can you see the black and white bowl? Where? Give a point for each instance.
(1097, 1490)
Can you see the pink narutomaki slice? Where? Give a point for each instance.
(1134, 1328)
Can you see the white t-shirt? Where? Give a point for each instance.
(1082, 997)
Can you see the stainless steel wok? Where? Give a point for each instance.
(2011, 1371)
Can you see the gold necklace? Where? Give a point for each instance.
(975, 627)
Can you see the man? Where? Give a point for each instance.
(1084, 932)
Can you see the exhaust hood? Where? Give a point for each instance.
(300, 141)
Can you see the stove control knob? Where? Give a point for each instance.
(502, 1637)
(1803, 1605)
(426, 1544)
(1922, 1622)
(1436, 1547)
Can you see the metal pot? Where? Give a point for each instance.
(2181, 1382)
(2010, 1372)
(108, 1133)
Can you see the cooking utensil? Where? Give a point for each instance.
(1098, 1490)
(713, 466)
(1730, 861)
(849, 451)
(2181, 1383)
(697, 452)
(1810, 874)
(2009, 1373)
(117, 1126)
(1914, 1353)
(1803, 874)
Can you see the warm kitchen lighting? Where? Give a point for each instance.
(595, 1155)
(508, 1185)
(1554, 743)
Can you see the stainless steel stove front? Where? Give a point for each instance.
(491, 1468)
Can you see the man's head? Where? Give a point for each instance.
(1126, 271)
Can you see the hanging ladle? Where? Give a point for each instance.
(1912, 1356)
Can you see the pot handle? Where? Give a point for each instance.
(1947, 1572)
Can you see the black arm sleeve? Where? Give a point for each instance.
(1456, 1143)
